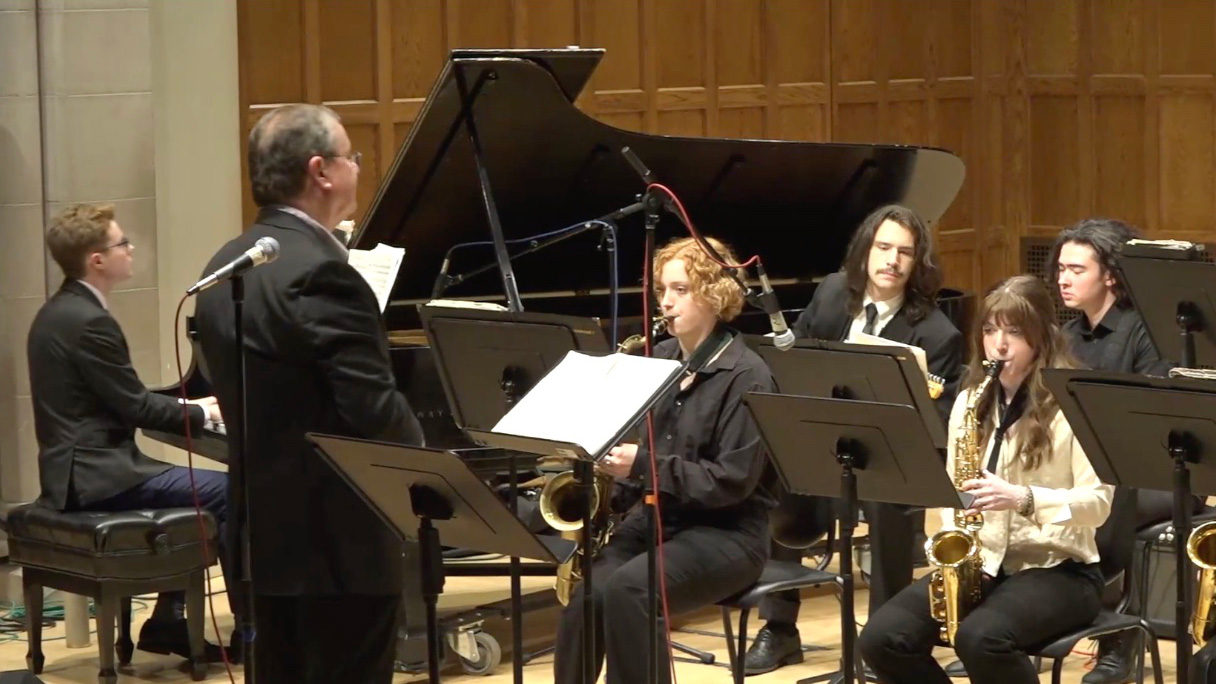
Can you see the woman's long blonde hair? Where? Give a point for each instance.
(1025, 302)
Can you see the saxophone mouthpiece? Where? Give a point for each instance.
(993, 368)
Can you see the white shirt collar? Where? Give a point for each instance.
(314, 223)
(886, 308)
(96, 293)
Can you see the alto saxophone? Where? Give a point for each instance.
(955, 553)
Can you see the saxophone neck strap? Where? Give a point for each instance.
(1007, 415)
(708, 350)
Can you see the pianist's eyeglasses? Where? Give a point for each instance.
(125, 242)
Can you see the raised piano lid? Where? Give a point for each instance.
(549, 165)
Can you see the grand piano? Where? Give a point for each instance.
(499, 153)
(545, 165)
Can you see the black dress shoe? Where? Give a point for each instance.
(773, 648)
(956, 670)
(1116, 653)
(173, 637)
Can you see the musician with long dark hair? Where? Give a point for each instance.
(887, 288)
(1041, 504)
(709, 460)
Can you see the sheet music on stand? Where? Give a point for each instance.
(379, 267)
(585, 400)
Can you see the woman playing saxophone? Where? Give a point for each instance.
(708, 461)
(1040, 502)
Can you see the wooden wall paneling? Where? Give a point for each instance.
(1118, 152)
(798, 68)
(1186, 119)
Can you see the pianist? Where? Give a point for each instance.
(709, 462)
(88, 402)
(328, 574)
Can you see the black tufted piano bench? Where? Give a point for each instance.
(112, 557)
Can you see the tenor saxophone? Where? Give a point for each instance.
(954, 588)
(561, 507)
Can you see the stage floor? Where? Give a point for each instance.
(819, 627)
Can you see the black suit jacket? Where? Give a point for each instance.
(88, 402)
(827, 318)
(317, 360)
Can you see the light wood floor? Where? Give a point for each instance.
(819, 627)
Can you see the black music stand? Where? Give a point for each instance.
(1147, 433)
(883, 452)
(1175, 294)
(584, 464)
(442, 496)
(865, 372)
(488, 360)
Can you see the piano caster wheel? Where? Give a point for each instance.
(489, 655)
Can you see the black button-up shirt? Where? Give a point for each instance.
(1119, 343)
(710, 455)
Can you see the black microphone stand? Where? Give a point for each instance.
(445, 281)
(653, 204)
(241, 492)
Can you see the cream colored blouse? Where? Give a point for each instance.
(1070, 502)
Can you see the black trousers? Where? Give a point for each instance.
(1203, 665)
(325, 639)
(892, 536)
(1026, 608)
(702, 565)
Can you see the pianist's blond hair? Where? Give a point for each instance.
(709, 281)
(77, 232)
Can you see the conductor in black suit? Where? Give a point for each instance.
(88, 402)
(888, 288)
(327, 573)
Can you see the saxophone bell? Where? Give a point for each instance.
(1201, 549)
(561, 507)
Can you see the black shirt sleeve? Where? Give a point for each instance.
(720, 467)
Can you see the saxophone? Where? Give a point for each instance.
(955, 553)
(1201, 549)
(561, 507)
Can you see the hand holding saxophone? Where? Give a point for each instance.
(619, 461)
(993, 494)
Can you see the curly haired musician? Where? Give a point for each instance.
(1041, 503)
(709, 460)
(888, 287)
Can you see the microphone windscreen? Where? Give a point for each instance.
(269, 247)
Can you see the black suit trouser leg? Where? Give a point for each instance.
(701, 565)
(891, 539)
(892, 536)
(325, 639)
(1027, 608)
(173, 489)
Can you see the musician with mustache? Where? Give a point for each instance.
(888, 287)
(709, 460)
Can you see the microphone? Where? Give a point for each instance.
(442, 281)
(783, 337)
(265, 250)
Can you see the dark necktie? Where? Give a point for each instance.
(871, 317)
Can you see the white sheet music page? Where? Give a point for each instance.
(585, 399)
(379, 267)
